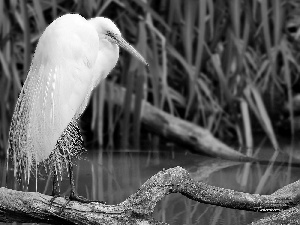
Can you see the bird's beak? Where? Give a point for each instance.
(125, 45)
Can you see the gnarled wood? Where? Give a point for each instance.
(138, 208)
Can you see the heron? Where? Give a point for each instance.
(72, 56)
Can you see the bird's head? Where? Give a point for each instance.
(107, 30)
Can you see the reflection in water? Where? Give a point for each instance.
(112, 177)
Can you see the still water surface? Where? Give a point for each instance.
(112, 177)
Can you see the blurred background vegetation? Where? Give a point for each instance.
(228, 66)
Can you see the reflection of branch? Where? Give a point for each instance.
(35, 207)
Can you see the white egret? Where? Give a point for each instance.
(72, 57)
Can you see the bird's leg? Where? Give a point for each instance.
(55, 185)
(73, 195)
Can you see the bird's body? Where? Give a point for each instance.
(72, 56)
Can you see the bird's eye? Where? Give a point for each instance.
(112, 37)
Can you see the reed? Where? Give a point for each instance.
(206, 57)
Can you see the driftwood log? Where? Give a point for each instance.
(138, 208)
(179, 131)
(195, 138)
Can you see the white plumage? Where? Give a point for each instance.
(72, 56)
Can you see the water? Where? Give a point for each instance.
(112, 177)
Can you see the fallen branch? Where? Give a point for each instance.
(185, 133)
(138, 208)
(177, 130)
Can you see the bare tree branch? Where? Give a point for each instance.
(137, 208)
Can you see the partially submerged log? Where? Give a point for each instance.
(138, 208)
(179, 131)
(196, 138)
